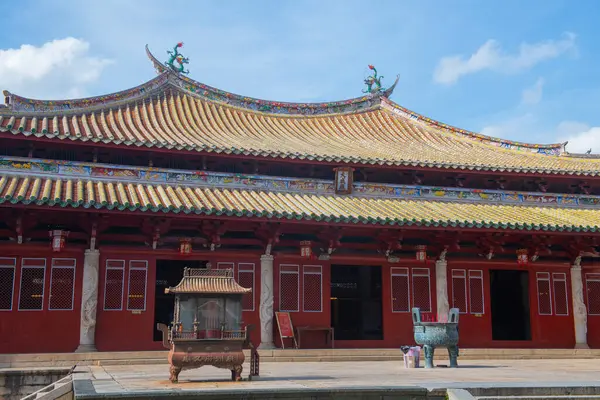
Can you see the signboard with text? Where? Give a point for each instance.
(286, 329)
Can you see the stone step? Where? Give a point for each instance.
(291, 355)
(536, 393)
(545, 397)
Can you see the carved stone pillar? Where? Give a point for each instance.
(89, 301)
(266, 302)
(441, 287)
(579, 309)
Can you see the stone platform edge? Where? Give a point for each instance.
(288, 355)
(84, 389)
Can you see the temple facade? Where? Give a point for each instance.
(343, 214)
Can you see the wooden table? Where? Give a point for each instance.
(328, 331)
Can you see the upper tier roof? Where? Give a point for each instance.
(175, 112)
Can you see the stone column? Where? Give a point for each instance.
(266, 302)
(441, 287)
(579, 309)
(89, 301)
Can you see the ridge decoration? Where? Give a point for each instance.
(176, 56)
(373, 82)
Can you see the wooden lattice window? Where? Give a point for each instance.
(62, 284)
(560, 293)
(136, 288)
(421, 289)
(33, 284)
(459, 290)
(312, 285)
(476, 296)
(8, 268)
(592, 284)
(246, 279)
(289, 288)
(544, 293)
(114, 285)
(400, 290)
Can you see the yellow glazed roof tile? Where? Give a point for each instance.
(48, 191)
(381, 133)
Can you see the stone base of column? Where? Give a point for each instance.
(86, 348)
(581, 346)
(266, 346)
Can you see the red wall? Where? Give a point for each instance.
(134, 330)
(300, 317)
(547, 331)
(475, 328)
(46, 330)
(550, 331)
(593, 321)
(398, 326)
(122, 330)
(58, 331)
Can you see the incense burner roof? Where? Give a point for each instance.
(175, 112)
(207, 281)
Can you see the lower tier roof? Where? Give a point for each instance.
(167, 198)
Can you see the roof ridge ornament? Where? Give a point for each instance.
(373, 82)
(374, 86)
(176, 56)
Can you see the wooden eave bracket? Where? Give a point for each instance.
(390, 241)
(269, 235)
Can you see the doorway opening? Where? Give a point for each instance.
(356, 302)
(168, 274)
(509, 292)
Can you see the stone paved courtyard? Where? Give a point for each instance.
(120, 379)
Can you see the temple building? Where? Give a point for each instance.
(344, 214)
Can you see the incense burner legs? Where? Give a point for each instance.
(174, 373)
(236, 370)
(220, 355)
(453, 355)
(428, 350)
(236, 373)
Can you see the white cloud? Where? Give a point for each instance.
(533, 95)
(58, 68)
(490, 56)
(581, 137)
(515, 128)
(527, 128)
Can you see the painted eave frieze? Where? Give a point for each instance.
(52, 169)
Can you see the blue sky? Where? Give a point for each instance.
(522, 70)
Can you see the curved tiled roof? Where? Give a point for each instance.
(214, 201)
(175, 112)
(205, 281)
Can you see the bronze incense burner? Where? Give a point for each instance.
(437, 334)
(207, 327)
